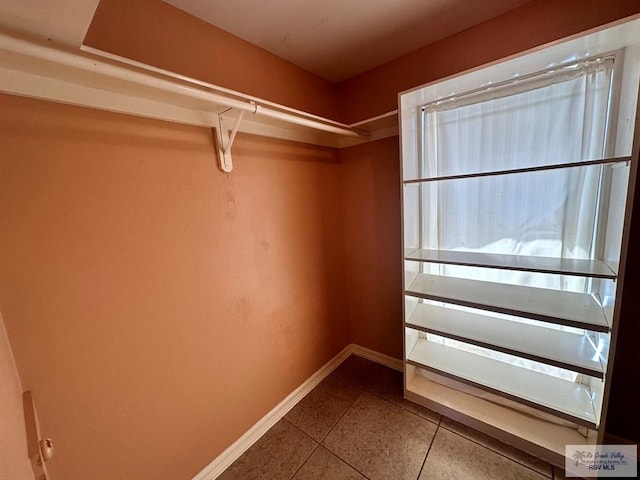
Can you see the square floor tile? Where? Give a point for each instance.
(316, 413)
(324, 465)
(507, 450)
(355, 371)
(387, 383)
(275, 456)
(453, 457)
(381, 440)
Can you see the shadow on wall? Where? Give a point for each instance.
(270, 149)
(114, 128)
(371, 176)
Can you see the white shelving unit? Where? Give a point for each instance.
(576, 399)
(526, 363)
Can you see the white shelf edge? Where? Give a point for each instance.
(217, 88)
(552, 347)
(524, 386)
(553, 306)
(36, 69)
(526, 263)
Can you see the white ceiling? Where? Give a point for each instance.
(337, 39)
(334, 39)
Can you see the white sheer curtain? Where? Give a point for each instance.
(554, 119)
(557, 118)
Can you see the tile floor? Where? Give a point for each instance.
(355, 425)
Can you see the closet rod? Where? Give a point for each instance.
(93, 64)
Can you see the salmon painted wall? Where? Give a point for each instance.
(14, 459)
(371, 180)
(157, 307)
(158, 34)
(541, 21)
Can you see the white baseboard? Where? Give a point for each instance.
(377, 357)
(237, 448)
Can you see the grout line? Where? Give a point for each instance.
(341, 416)
(312, 451)
(428, 450)
(502, 454)
(346, 463)
(301, 431)
(305, 460)
(405, 409)
(373, 394)
(331, 429)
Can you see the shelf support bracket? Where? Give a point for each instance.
(224, 141)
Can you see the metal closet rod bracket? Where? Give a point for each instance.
(224, 141)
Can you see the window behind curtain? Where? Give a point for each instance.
(553, 118)
(548, 213)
